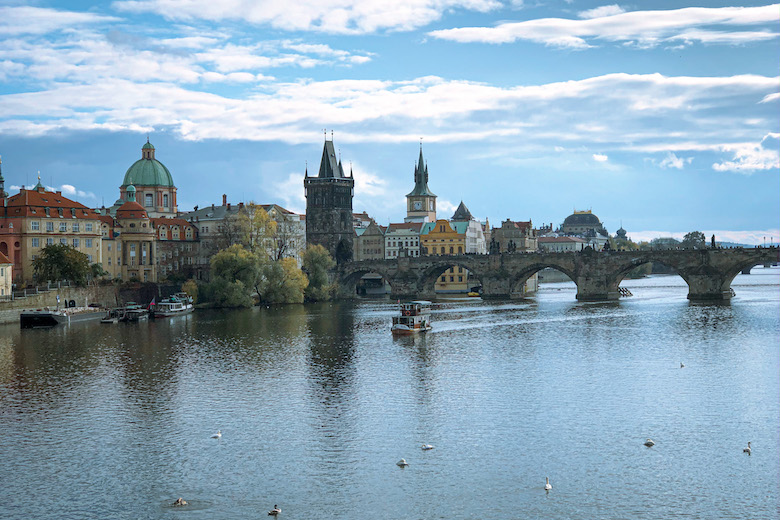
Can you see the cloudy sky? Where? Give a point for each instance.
(662, 116)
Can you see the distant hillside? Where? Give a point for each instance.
(734, 244)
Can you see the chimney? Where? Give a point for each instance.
(240, 205)
(224, 199)
(228, 206)
(196, 208)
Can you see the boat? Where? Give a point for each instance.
(112, 316)
(45, 317)
(176, 305)
(472, 294)
(415, 317)
(133, 312)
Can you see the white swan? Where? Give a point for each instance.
(547, 486)
(217, 435)
(747, 450)
(427, 447)
(402, 463)
(275, 511)
(649, 443)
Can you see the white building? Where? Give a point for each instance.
(402, 238)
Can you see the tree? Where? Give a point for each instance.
(256, 229)
(235, 272)
(191, 288)
(58, 262)
(282, 282)
(316, 264)
(694, 240)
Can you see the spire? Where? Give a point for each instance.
(2, 181)
(421, 178)
(329, 165)
(39, 186)
(306, 173)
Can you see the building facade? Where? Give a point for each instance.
(513, 236)
(402, 240)
(329, 207)
(562, 244)
(154, 186)
(6, 278)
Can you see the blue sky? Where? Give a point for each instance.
(660, 115)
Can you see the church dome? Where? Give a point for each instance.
(148, 171)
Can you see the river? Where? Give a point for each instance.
(317, 403)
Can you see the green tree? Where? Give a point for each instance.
(257, 230)
(694, 240)
(235, 272)
(59, 262)
(316, 264)
(282, 282)
(191, 288)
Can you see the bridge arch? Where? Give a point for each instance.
(439, 266)
(519, 278)
(349, 278)
(621, 271)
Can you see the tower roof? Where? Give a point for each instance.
(462, 213)
(330, 166)
(421, 179)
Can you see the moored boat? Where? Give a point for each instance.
(42, 318)
(133, 312)
(176, 305)
(415, 317)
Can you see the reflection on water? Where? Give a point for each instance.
(316, 403)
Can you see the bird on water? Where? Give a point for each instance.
(547, 486)
(747, 450)
(275, 511)
(649, 443)
(427, 447)
(402, 463)
(217, 435)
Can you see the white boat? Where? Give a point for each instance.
(175, 305)
(415, 317)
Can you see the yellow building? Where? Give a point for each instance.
(443, 238)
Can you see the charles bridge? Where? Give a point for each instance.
(708, 272)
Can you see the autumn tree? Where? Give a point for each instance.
(235, 272)
(256, 229)
(316, 264)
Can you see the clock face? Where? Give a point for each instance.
(417, 204)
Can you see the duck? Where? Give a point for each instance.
(180, 502)
(217, 435)
(547, 486)
(649, 443)
(402, 463)
(427, 447)
(681, 365)
(747, 450)
(275, 511)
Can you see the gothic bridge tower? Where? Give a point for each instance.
(420, 202)
(329, 206)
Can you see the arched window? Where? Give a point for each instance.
(149, 200)
(452, 250)
(460, 250)
(165, 200)
(442, 249)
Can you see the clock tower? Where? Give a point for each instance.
(421, 202)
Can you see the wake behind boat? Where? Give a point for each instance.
(415, 317)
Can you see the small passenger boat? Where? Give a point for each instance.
(415, 317)
(112, 316)
(176, 305)
(133, 312)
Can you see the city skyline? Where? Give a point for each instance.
(661, 120)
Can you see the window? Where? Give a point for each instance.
(452, 250)
(88, 243)
(109, 260)
(50, 226)
(109, 247)
(452, 278)
(49, 241)
(460, 278)
(165, 200)
(89, 258)
(76, 227)
(460, 250)
(64, 241)
(149, 200)
(75, 242)
(63, 226)
(442, 249)
(88, 227)
(11, 225)
(35, 225)
(443, 278)
(35, 242)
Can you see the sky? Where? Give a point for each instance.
(660, 116)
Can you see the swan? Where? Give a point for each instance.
(275, 511)
(402, 463)
(217, 435)
(547, 486)
(180, 502)
(427, 447)
(747, 450)
(649, 443)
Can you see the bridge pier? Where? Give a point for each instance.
(707, 288)
(596, 290)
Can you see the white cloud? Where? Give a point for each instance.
(15, 20)
(748, 158)
(770, 97)
(599, 12)
(640, 28)
(598, 157)
(289, 190)
(329, 16)
(672, 161)
(70, 191)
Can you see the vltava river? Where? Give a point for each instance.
(316, 404)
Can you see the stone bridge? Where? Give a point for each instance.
(708, 272)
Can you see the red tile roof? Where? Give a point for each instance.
(28, 203)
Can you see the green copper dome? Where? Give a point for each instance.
(148, 171)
